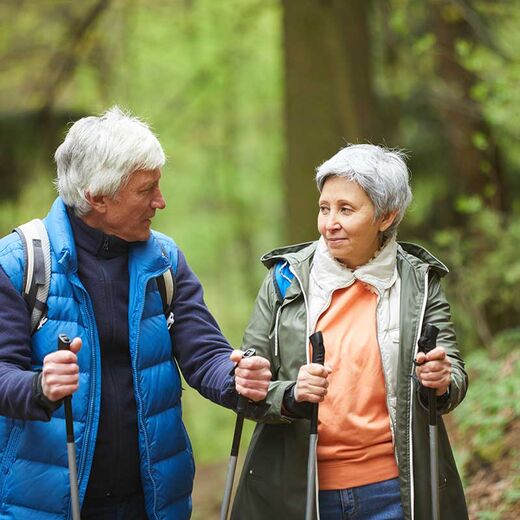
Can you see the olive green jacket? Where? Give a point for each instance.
(273, 481)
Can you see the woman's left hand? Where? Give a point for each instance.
(434, 370)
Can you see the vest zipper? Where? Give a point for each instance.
(138, 399)
(91, 400)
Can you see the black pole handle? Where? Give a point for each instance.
(428, 339)
(318, 348)
(318, 356)
(427, 342)
(241, 409)
(242, 401)
(64, 344)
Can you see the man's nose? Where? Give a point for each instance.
(158, 201)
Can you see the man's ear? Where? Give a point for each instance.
(97, 202)
(387, 221)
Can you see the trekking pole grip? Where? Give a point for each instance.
(427, 342)
(318, 348)
(242, 401)
(318, 356)
(64, 344)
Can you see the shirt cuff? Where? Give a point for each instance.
(39, 397)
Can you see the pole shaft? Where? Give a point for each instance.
(230, 477)
(242, 405)
(318, 356)
(73, 479)
(310, 504)
(64, 344)
(434, 472)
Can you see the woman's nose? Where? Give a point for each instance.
(332, 221)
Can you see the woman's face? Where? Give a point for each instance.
(346, 222)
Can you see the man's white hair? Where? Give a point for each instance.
(99, 154)
(382, 173)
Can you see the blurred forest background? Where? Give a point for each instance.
(247, 98)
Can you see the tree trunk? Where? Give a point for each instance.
(329, 99)
(473, 150)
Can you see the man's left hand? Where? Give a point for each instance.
(252, 375)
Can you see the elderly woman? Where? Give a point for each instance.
(370, 296)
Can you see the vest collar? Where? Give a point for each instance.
(146, 257)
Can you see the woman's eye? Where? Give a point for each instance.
(324, 209)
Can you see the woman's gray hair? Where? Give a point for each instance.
(382, 173)
(99, 154)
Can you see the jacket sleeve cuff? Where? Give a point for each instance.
(442, 400)
(293, 408)
(48, 406)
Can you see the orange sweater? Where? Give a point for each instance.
(354, 437)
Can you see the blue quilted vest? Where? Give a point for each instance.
(34, 480)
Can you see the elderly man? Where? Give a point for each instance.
(133, 454)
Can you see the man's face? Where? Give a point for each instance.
(128, 215)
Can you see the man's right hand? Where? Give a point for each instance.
(60, 374)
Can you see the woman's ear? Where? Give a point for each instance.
(387, 221)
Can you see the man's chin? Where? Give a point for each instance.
(142, 236)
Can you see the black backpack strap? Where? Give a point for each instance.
(166, 285)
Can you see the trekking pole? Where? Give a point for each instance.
(427, 342)
(64, 344)
(318, 356)
(233, 458)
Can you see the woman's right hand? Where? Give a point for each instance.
(311, 385)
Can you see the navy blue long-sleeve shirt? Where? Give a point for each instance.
(198, 346)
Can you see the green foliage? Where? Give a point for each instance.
(208, 76)
(483, 285)
(492, 403)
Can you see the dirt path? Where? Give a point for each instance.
(208, 490)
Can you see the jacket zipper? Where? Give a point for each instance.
(308, 361)
(306, 303)
(387, 393)
(277, 318)
(423, 310)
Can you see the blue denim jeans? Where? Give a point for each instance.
(379, 501)
(131, 508)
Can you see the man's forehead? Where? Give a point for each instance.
(143, 175)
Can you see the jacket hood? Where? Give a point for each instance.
(293, 254)
(419, 257)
